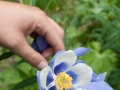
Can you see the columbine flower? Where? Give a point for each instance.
(65, 73)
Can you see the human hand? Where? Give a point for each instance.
(18, 21)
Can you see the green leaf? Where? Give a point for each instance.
(100, 61)
(10, 76)
(6, 55)
(33, 2)
(28, 2)
(25, 2)
(25, 83)
(46, 4)
(19, 62)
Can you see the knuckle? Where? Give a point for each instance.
(41, 29)
(43, 13)
(39, 12)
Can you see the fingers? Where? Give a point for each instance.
(48, 52)
(23, 49)
(50, 33)
(57, 27)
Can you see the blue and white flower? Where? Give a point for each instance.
(65, 72)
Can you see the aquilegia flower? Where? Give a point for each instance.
(65, 72)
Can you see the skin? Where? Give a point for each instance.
(18, 21)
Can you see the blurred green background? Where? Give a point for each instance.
(87, 23)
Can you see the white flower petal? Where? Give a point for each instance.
(84, 73)
(69, 57)
(43, 76)
(76, 88)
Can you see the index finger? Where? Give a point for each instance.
(46, 29)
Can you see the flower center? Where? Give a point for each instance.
(63, 81)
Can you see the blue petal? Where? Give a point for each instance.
(53, 59)
(99, 77)
(60, 68)
(79, 61)
(49, 79)
(94, 78)
(100, 85)
(80, 51)
(35, 45)
(40, 44)
(102, 76)
(73, 75)
(38, 80)
(52, 88)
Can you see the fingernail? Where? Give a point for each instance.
(42, 65)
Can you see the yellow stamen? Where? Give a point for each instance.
(63, 81)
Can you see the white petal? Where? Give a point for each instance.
(84, 73)
(78, 89)
(43, 76)
(75, 88)
(69, 57)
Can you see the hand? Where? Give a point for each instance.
(18, 21)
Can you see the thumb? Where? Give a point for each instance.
(24, 50)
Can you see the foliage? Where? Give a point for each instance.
(89, 23)
(100, 61)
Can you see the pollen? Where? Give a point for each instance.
(63, 81)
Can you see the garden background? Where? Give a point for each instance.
(87, 23)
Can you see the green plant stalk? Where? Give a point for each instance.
(48, 5)
(21, 1)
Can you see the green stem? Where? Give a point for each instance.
(21, 1)
(48, 5)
